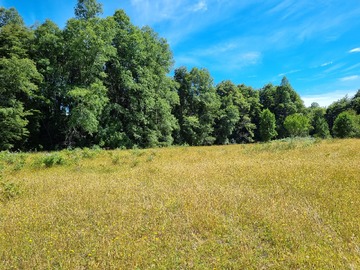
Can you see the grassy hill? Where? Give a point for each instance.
(281, 205)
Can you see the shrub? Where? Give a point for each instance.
(346, 125)
(8, 190)
(49, 160)
(297, 125)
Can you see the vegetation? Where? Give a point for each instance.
(103, 81)
(290, 204)
(267, 125)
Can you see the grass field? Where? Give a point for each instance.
(282, 205)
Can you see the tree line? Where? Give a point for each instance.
(103, 81)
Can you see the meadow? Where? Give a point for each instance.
(290, 204)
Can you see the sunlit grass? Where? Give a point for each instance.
(283, 205)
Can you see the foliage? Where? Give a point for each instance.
(282, 101)
(86, 9)
(267, 125)
(104, 81)
(198, 106)
(10, 16)
(318, 122)
(297, 125)
(49, 160)
(347, 124)
(355, 102)
(8, 190)
(336, 108)
(141, 95)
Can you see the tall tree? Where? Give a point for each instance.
(140, 92)
(48, 53)
(198, 106)
(249, 115)
(10, 16)
(19, 80)
(89, 47)
(267, 125)
(229, 114)
(86, 9)
(335, 109)
(283, 101)
(318, 122)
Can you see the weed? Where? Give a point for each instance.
(15, 160)
(115, 159)
(151, 156)
(134, 163)
(137, 152)
(49, 160)
(8, 190)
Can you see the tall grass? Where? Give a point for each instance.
(284, 205)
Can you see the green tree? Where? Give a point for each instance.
(19, 80)
(346, 125)
(249, 109)
(198, 108)
(267, 125)
(318, 122)
(88, 48)
(86, 9)
(283, 101)
(355, 102)
(10, 16)
(13, 122)
(335, 109)
(297, 125)
(88, 105)
(48, 52)
(229, 114)
(141, 94)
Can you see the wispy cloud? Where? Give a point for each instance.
(200, 6)
(349, 78)
(289, 72)
(250, 58)
(157, 11)
(326, 64)
(352, 67)
(355, 50)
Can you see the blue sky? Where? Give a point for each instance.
(316, 44)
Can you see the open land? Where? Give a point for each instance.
(290, 204)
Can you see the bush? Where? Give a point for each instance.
(49, 160)
(346, 125)
(297, 125)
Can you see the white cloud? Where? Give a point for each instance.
(200, 6)
(349, 78)
(156, 11)
(250, 58)
(326, 99)
(326, 64)
(355, 50)
(289, 72)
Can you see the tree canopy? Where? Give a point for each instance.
(104, 81)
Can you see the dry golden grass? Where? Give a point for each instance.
(282, 205)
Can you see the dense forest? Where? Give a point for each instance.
(105, 82)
